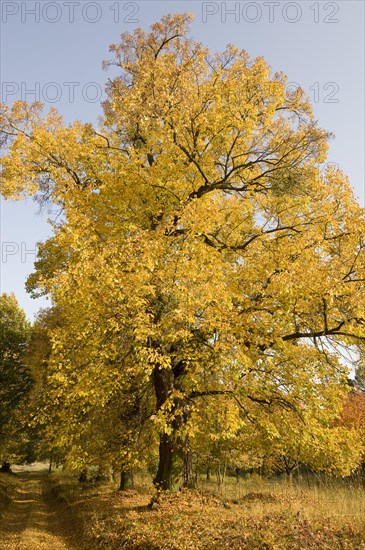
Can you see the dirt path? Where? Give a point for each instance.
(36, 520)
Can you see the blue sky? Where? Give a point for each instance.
(52, 51)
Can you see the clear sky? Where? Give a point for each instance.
(51, 51)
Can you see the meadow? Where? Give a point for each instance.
(255, 513)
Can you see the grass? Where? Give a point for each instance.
(35, 467)
(314, 498)
(252, 514)
(9, 482)
(8, 485)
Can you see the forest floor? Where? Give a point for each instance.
(35, 519)
(58, 513)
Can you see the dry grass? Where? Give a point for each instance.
(10, 482)
(254, 514)
(35, 467)
(34, 519)
(314, 498)
(8, 485)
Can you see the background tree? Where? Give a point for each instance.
(203, 252)
(15, 380)
(353, 416)
(38, 352)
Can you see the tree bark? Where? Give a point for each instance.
(163, 383)
(123, 480)
(131, 477)
(163, 479)
(188, 477)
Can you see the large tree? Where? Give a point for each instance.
(204, 253)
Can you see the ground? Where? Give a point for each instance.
(36, 519)
(42, 512)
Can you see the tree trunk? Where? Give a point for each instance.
(123, 480)
(188, 477)
(163, 383)
(208, 474)
(83, 476)
(131, 477)
(163, 478)
(221, 474)
(50, 466)
(5, 468)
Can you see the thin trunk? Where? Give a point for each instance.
(219, 477)
(83, 476)
(131, 477)
(187, 459)
(221, 474)
(50, 466)
(188, 477)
